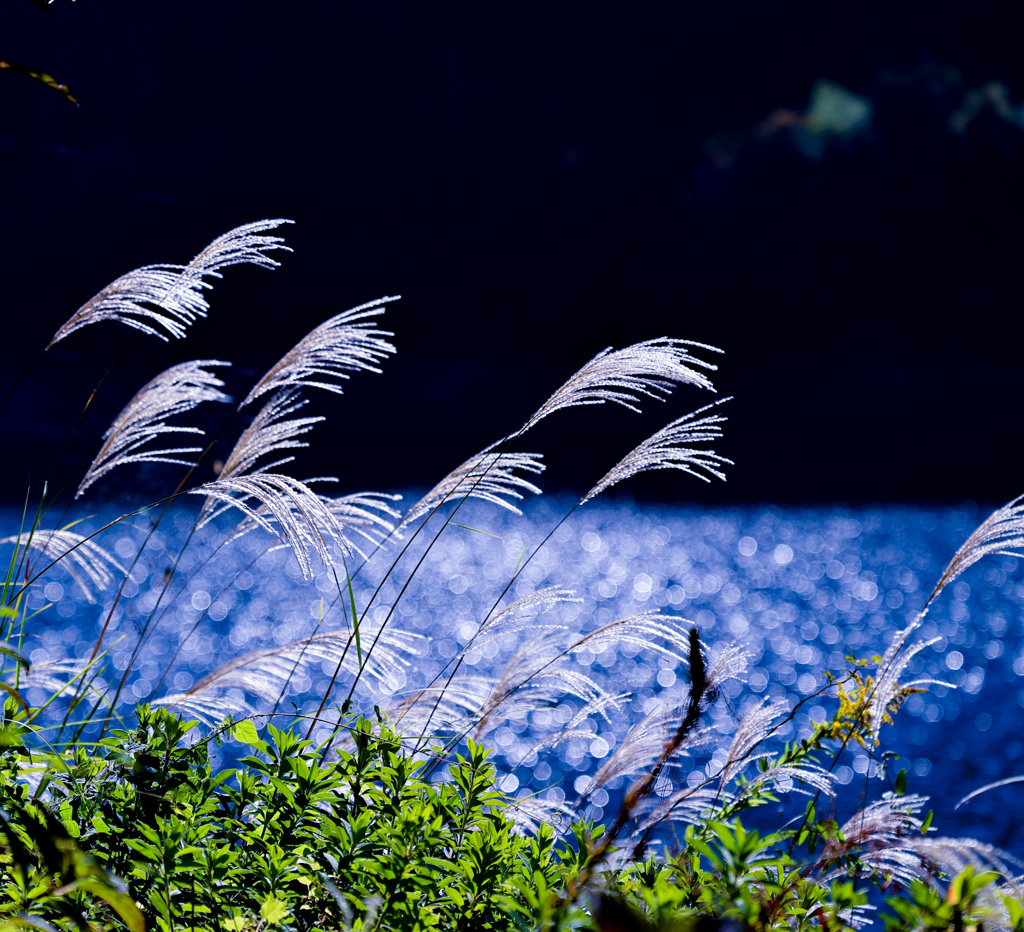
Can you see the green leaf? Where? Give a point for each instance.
(901, 783)
(273, 910)
(246, 733)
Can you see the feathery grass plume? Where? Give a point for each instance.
(353, 513)
(644, 745)
(660, 634)
(265, 673)
(1001, 532)
(332, 350)
(670, 448)
(85, 561)
(622, 376)
(174, 391)
(362, 513)
(171, 296)
(886, 693)
(269, 432)
(521, 613)
(692, 805)
(304, 521)
(490, 476)
(530, 812)
(878, 834)
(52, 676)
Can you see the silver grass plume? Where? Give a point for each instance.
(1002, 532)
(877, 834)
(650, 631)
(363, 513)
(86, 562)
(885, 835)
(489, 476)
(345, 343)
(671, 448)
(650, 369)
(530, 812)
(269, 432)
(171, 296)
(143, 419)
(644, 746)
(887, 690)
(353, 514)
(265, 673)
(693, 805)
(522, 612)
(303, 521)
(53, 675)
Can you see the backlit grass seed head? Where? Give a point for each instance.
(1002, 532)
(301, 518)
(345, 343)
(649, 369)
(270, 431)
(85, 561)
(163, 300)
(672, 448)
(488, 476)
(264, 674)
(144, 419)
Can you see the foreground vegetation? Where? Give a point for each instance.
(341, 814)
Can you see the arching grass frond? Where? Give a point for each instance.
(163, 300)
(1002, 532)
(489, 476)
(270, 431)
(886, 693)
(624, 376)
(345, 343)
(302, 519)
(85, 561)
(363, 514)
(264, 674)
(672, 448)
(143, 419)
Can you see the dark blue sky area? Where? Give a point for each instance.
(540, 181)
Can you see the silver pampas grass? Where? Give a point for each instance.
(85, 561)
(672, 448)
(650, 369)
(144, 419)
(345, 343)
(162, 300)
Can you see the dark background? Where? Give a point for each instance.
(539, 181)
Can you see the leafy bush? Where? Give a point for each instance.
(396, 822)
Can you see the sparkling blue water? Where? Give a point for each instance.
(799, 589)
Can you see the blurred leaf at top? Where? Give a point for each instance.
(37, 75)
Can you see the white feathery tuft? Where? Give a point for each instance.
(887, 689)
(753, 728)
(268, 433)
(650, 369)
(345, 343)
(171, 296)
(1001, 532)
(303, 520)
(645, 745)
(86, 562)
(489, 476)
(671, 448)
(265, 673)
(363, 513)
(143, 419)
